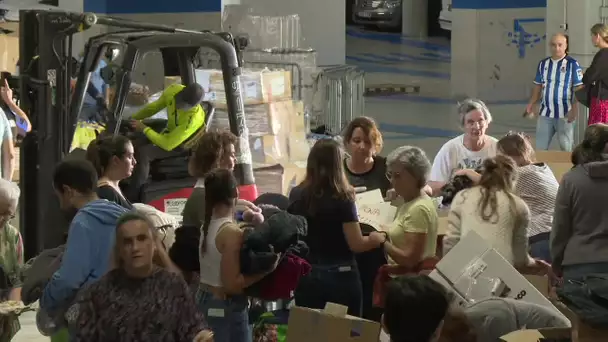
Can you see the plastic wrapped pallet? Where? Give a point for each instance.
(277, 131)
(264, 31)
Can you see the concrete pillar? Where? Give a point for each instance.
(414, 18)
(496, 46)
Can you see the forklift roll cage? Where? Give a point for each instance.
(46, 47)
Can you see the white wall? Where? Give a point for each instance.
(578, 16)
(322, 21)
(486, 62)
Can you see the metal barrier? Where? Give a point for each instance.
(341, 92)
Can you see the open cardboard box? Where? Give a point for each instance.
(473, 271)
(331, 324)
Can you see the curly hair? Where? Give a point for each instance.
(208, 151)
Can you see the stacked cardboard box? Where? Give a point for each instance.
(275, 122)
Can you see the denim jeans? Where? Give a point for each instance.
(539, 247)
(227, 318)
(546, 128)
(578, 272)
(338, 283)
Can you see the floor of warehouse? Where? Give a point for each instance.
(426, 119)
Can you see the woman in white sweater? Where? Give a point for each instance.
(493, 211)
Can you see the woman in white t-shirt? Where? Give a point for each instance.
(466, 151)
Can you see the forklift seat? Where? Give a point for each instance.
(175, 165)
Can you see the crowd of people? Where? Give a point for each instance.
(117, 279)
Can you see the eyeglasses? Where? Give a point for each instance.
(392, 175)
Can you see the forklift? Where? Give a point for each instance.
(46, 70)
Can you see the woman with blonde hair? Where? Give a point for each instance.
(493, 211)
(595, 78)
(150, 300)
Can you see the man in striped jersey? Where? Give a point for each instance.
(557, 78)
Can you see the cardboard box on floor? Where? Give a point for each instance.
(331, 324)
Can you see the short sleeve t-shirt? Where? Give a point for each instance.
(372, 179)
(454, 156)
(416, 216)
(325, 237)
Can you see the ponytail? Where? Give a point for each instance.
(94, 156)
(209, 204)
(102, 149)
(220, 188)
(497, 175)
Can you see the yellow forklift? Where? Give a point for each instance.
(46, 71)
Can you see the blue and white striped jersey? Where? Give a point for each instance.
(558, 79)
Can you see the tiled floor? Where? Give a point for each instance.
(427, 119)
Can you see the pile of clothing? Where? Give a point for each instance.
(454, 186)
(281, 233)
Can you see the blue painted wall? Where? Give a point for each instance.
(497, 4)
(151, 6)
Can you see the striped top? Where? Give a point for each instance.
(558, 79)
(537, 186)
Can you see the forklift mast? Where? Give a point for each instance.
(46, 71)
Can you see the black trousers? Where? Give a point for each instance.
(145, 153)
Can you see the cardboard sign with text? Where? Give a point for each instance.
(380, 216)
(374, 211)
(369, 197)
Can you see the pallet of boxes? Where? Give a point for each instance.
(277, 134)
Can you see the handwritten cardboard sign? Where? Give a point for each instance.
(380, 215)
(369, 197)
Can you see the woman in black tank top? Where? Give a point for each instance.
(113, 158)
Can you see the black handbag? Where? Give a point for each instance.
(583, 96)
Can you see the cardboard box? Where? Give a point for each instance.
(279, 178)
(257, 86)
(269, 149)
(558, 161)
(298, 146)
(9, 53)
(298, 122)
(476, 271)
(170, 80)
(553, 156)
(263, 119)
(331, 324)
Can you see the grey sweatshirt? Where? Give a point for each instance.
(496, 317)
(580, 220)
